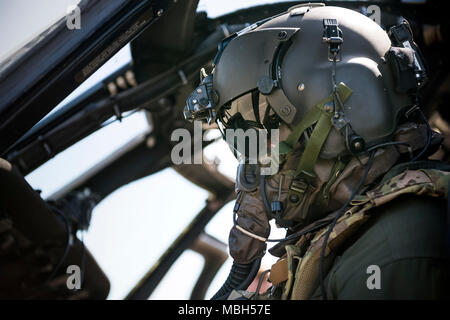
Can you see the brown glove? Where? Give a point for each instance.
(251, 219)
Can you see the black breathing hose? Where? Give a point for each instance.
(240, 277)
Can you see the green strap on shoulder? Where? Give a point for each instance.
(322, 118)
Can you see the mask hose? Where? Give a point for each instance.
(239, 278)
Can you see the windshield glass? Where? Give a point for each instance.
(23, 20)
(216, 8)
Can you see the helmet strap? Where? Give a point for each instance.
(321, 117)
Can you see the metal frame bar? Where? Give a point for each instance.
(33, 85)
(150, 281)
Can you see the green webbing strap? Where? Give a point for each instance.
(311, 117)
(314, 145)
(322, 118)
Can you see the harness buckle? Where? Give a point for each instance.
(299, 185)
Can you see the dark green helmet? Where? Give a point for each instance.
(297, 59)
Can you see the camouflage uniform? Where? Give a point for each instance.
(389, 227)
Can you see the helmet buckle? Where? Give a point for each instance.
(332, 35)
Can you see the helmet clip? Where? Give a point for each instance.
(332, 35)
(200, 104)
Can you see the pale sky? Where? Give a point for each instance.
(22, 20)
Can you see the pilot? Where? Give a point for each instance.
(365, 212)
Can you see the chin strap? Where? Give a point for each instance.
(321, 116)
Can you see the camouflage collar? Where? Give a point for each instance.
(427, 164)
